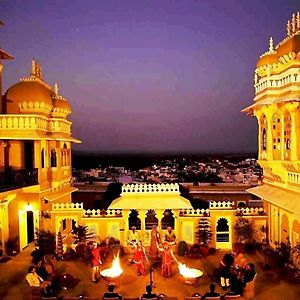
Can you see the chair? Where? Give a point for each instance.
(249, 292)
(232, 297)
(36, 293)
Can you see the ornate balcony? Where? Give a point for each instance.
(15, 179)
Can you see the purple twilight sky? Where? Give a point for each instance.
(148, 76)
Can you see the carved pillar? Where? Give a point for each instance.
(294, 137)
(282, 144)
(269, 117)
(125, 226)
(258, 116)
(159, 215)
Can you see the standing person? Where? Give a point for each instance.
(95, 261)
(155, 240)
(139, 259)
(170, 237)
(225, 270)
(167, 261)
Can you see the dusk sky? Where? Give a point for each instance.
(148, 76)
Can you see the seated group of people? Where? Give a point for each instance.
(212, 293)
(112, 294)
(235, 272)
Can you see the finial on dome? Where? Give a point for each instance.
(33, 67)
(271, 45)
(56, 88)
(293, 23)
(288, 28)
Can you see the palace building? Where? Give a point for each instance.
(35, 168)
(276, 108)
(35, 156)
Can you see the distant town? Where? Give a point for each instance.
(183, 170)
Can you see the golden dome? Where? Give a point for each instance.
(61, 107)
(29, 96)
(291, 45)
(267, 59)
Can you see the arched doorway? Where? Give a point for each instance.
(134, 220)
(223, 235)
(150, 219)
(30, 226)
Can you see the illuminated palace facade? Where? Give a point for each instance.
(35, 193)
(35, 156)
(276, 108)
(35, 167)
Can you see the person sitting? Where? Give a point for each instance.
(110, 293)
(212, 292)
(133, 237)
(149, 294)
(249, 273)
(170, 237)
(35, 281)
(232, 291)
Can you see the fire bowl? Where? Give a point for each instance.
(193, 277)
(110, 278)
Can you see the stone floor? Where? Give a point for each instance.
(272, 284)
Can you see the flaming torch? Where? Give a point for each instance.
(113, 274)
(189, 275)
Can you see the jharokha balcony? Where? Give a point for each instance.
(14, 179)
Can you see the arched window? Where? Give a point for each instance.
(263, 128)
(168, 219)
(134, 220)
(287, 135)
(43, 158)
(53, 159)
(276, 134)
(150, 219)
(65, 155)
(264, 139)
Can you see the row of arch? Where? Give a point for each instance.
(151, 219)
(281, 135)
(65, 157)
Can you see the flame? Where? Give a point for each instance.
(115, 269)
(188, 272)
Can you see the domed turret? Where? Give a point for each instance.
(61, 107)
(31, 95)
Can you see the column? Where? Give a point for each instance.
(269, 137)
(125, 226)
(294, 137)
(282, 144)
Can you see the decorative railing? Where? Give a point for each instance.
(194, 213)
(15, 179)
(294, 178)
(221, 205)
(34, 122)
(151, 188)
(250, 211)
(103, 213)
(67, 206)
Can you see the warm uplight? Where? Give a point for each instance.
(28, 207)
(188, 272)
(115, 269)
